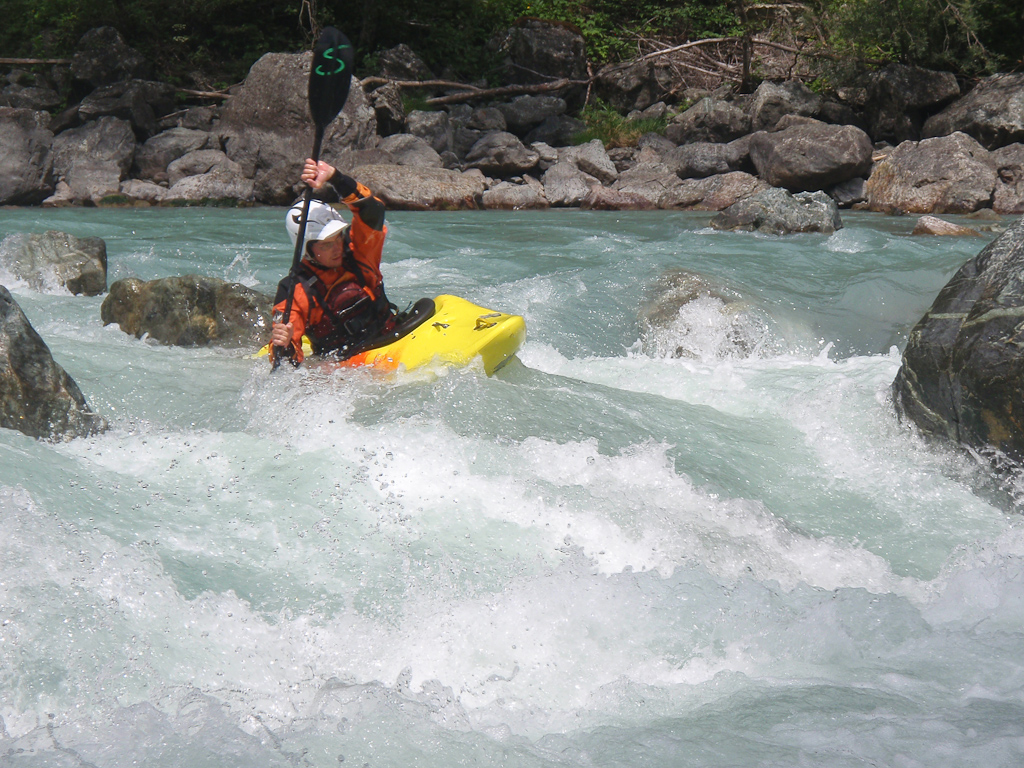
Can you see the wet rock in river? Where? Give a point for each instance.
(37, 397)
(55, 260)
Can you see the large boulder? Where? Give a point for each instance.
(501, 154)
(949, 174)
(524, 113)
(141, 102)
(962, 376)
(710, 119)
(37, 397)
(103, 58)
(56, 260)
(653, 181)
(899, 98)
(803, 154)
(704, 158)
(508, 196)
(773, 101)
(565, 185)
(778, 212)
(713, 193)
(993, 113)
(268, 131)
(93, 159)
(591, 158)
(26, 163)
(402, 63)
(189, 311)
(1008, 163)
(153, 157)
(540, 51)
(636, 85)
(402, 149)
(417, 188)
(433, 127)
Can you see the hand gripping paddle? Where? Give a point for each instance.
(330, 77)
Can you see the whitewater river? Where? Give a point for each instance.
(608, 554)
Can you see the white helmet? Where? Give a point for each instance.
(323, 222)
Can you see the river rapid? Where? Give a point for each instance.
(633, 546)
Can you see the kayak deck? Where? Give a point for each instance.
(455, 333)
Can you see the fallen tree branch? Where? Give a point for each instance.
(417, 83)
(204, 94)
(507, 90)
(29, 62)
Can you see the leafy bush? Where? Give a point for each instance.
(614, 130)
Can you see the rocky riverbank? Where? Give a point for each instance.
(900, 140)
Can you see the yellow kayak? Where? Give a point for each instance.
(456, 332)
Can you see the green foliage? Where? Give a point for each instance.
(969, 36)
(613, 129)
(611, 27)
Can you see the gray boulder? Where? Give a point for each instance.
(778, 212)
(94, 158)
(433, 127)
(37, 397)
(713, 193)
(703, 158)
(198, 162)
(509, 196)
(803, 154)
(31, 97)
(189, 311)
(102, 57)
(565, 185)
(710, 119)
(57, 260)
(1008, 163)
(591, 158)
(389, 109)
(688, 315)
(949, 174)
(141, 102)
(267, 130)
(26, 163)
(524, 113)
(932, 225)
(501, 154)
(556, 130)
(773, 101)
(898, 99)
(653, 181)
(153, 157)
(406, 149)
(993, 113)
(540, 51)
(402, 63)
(222, 183)
(635, 86)
(140, 191)
(606, 199)
(962, 376)
(417, 188)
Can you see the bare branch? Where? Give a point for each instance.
(417, 83)
(29, 62)
(508, 90)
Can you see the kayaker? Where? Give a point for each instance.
(339, 299)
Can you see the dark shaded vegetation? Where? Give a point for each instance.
(211, 43)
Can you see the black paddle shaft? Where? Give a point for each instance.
(330, 77)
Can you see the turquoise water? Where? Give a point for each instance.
(605, 555)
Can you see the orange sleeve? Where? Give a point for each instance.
(300, 317)
(368, 232)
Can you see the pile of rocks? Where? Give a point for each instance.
(903, 140)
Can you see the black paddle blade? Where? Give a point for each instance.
(330, 76)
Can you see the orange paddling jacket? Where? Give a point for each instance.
(340, 308)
